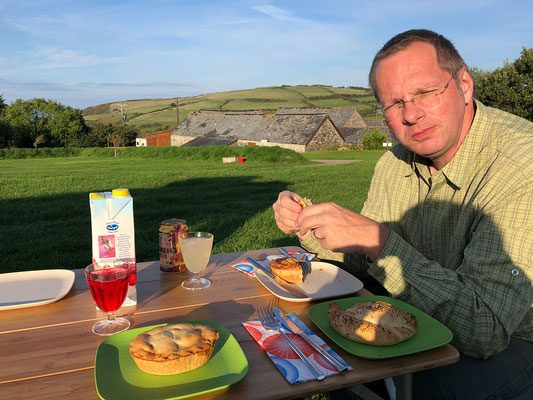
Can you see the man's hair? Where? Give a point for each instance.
(448, 57)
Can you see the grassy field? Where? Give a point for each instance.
(45, 215)
(152, 115)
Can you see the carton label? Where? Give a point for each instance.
(113, 233)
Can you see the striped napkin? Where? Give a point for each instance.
(249, 269)
(285, 358)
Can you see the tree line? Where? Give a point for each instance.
(47, 123)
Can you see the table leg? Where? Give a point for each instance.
(404, 387)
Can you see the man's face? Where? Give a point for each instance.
(434, 133)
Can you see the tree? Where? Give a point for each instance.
(122, 135)
(2, 103)
(373, 140)
(99, 135)
(509, 88)
(40, 122)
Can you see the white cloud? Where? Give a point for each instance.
(53, 58)
(274, 12)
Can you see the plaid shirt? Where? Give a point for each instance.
(461, 246)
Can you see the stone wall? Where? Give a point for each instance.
(178, 140)
(327, 137)
(355, 121)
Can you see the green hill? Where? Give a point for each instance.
(152, 115)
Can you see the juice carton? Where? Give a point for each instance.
(113, 234)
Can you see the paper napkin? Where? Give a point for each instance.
(249, 269)
(285, 358)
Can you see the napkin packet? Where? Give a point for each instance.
(249, 269)
(285, 358)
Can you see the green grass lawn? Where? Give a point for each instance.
(45, 216)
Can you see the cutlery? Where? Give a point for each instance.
(280, 282)
(291, 326)
(269, 322)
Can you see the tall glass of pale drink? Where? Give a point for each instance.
(196, 250)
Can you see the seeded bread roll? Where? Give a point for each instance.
(173, 349)
(376, 323)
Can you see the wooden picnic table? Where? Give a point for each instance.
(48, 351)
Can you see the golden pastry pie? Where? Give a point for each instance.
(173, 349)
(287, 268)
(377, 323)
(304, 202)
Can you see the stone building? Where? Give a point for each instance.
(300, 132)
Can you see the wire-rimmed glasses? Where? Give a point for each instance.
(425, 100)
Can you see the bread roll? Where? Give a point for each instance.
(173, 349)
(376, 323)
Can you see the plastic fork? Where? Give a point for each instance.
(269, 322)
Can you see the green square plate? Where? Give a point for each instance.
(430, 334)
(118, 377)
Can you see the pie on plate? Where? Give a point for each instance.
(173, 349)
(376, 323)
(287, 268)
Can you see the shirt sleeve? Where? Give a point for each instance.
(488, 296)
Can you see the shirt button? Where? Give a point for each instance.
(515, 272)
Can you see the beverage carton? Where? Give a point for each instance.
(113, 234)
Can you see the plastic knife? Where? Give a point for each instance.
(291, 326)
(280, 282)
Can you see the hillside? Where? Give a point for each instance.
(152, 115)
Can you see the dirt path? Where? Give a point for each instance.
(334, 162)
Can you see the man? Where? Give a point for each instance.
(448, 223)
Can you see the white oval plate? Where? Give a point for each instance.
(325, 281)
(34, 288)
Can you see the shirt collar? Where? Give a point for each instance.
(455, 170)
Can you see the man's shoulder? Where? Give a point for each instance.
(502, 125)
(508, 141)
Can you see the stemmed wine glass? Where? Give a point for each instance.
(109, 286)
(196, 250)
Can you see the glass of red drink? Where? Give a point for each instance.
(109, 285)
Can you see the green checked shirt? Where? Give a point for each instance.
(461, 246)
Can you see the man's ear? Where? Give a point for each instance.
(467, 85)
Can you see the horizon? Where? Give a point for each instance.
(84, 55)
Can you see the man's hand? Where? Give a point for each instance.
(339, 229)
(286, 212)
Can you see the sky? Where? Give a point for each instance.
(84, 53)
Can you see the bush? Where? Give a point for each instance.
(373, 140)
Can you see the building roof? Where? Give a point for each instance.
(283, 129)
(213, 140)
(341, 117)
(355, 135)
(232, 112)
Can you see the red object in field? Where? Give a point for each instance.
(241, 159)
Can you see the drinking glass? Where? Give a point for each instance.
(196, 250)
(109, 285)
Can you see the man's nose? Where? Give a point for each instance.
(411, 112)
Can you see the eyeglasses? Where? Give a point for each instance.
(426, 100)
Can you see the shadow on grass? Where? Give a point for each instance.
(55, 231)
